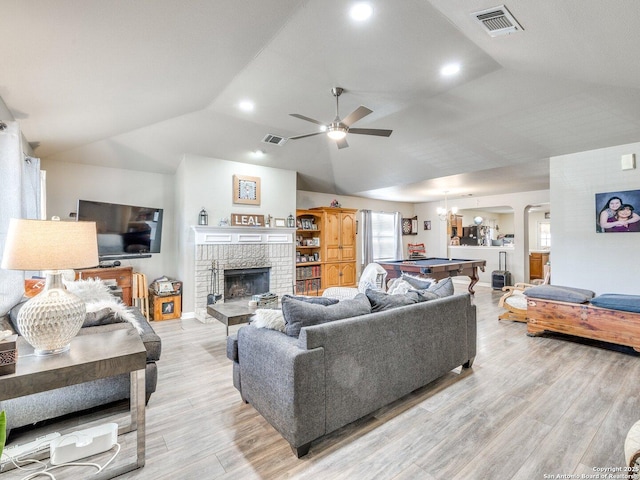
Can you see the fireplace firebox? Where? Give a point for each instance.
(242, 283)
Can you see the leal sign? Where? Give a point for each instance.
(243, 220)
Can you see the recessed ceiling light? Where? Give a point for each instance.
(361, 11)
(258, 153)
(450, 69)
(246, 105)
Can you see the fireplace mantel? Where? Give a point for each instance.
(242, 235)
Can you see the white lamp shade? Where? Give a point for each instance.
(50, 245)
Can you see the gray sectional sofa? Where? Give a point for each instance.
(337, 372)
(43, 406)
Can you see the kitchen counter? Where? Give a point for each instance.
(484, 247)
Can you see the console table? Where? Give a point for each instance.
(122, 275)
(90, 357)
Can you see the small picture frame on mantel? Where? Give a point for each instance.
(280, 222)
(246, 190)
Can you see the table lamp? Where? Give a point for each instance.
(51, 319)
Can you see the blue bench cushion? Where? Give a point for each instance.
(616, 301)
(560, 294)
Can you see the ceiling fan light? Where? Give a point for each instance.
(361, 11)
(336, 133)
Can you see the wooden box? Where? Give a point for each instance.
(8, 355)
(166, 307)
(583, 320)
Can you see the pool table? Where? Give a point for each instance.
(437, 268)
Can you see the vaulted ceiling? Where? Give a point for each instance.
(135, 84)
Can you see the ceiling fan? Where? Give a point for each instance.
(338, 129)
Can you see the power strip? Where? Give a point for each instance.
(28, 450)
(83, 443)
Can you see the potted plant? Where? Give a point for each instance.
(3, 430)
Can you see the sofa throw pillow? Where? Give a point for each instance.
(381, 301)
(302, 313)
(443, 288)
(268, 318)
(317, 300)
(419, 283)
(90, 290)
(102, 307)
(13, 315)
(398, 286)
(98, 313)
(102, 316)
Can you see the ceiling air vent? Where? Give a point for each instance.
(274, 139)
(497, 21)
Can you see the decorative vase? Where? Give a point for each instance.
(50, 320)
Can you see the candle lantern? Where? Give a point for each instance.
(203, 217)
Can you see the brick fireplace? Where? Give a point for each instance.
(241, 249)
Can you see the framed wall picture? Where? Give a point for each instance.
(618, 211)
(427, 224)
(246, 190)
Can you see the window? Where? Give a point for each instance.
(544, 234)
(384, 236)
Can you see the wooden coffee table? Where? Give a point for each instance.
(231, 313)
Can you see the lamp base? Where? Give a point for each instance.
(51, 319)
(42, 353)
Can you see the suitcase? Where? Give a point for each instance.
(502, 277)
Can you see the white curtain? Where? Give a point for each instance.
(397, 228)
(367, 238)
(19, 198)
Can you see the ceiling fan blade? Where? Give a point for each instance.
(371, 131)
(356, 115)
(305, 135)
(302, 117)
(342, 143)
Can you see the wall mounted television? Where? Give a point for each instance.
(124, 231)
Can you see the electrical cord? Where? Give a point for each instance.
(20, 459)
(47, 471)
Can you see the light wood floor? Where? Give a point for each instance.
(528, 407)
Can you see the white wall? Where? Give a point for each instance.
(436, 239)
(602, 262)
(208, 182)
(69, 182)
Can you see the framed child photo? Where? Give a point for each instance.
(616, 212)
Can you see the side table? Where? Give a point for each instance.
(90, 357)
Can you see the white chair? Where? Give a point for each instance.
(514, 302)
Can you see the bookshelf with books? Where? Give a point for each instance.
(326, 238)
(308, 259)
